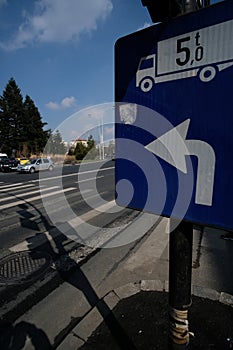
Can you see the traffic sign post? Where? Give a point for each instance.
(173, 133)
(180, 276)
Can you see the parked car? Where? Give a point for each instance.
(9, 164)
(23, 160)
(36, 164)
(3, 156)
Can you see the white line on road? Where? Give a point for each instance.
(90, 179)
(10, 205)
(11, 188)
(73, 174)
(12, 185)
(14, 196)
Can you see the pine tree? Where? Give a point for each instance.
(58, 143)
(80, 151)
(55, 145)
(91, 148)
(21, 126)
(11, 116)
(33, 132)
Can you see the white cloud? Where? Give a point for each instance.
(59, 21)
(53, 105)
(67, 102)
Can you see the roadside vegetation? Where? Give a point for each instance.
(23, 133)
(21, 126)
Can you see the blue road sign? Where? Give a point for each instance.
(174, 118)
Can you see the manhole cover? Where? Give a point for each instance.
(23, 267)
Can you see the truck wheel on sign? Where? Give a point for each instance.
(207, 74)
(146, 84)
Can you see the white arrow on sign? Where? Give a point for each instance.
(173, 147)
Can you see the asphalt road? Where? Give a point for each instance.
(22, 212)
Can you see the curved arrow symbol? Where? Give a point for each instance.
(173, 147)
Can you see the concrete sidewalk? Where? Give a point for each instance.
(135, 316)
(133, 313)
(128, 276)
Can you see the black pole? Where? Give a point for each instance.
(180, 277)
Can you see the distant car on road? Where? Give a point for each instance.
(23, 160)
(3, 156)
(36, 164)
(8, 164)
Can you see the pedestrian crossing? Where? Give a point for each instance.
(77, 229)
(12, 195)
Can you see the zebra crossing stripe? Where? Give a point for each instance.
(28, 200)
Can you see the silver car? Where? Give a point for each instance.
(36, 164)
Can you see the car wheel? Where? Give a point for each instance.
(50, 168)
(32, 170)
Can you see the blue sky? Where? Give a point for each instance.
(61, 52)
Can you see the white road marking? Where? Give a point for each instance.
(10, 188)
(10, 205)
(73, 174)
(13, 196)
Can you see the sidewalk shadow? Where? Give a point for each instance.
(15, 337)
(76, 278)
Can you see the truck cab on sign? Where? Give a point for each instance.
(189, 55)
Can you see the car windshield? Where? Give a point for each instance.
(32, 161)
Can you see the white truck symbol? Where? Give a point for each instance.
(203, 52)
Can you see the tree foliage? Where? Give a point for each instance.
(89, 151)
(55, 144)
(91, 148)
(21, 126)
(80, 151)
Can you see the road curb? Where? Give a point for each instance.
(83, 330)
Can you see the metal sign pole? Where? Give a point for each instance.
(180, 270)
(180, 275)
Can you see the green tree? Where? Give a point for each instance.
(91, 148)
(11, 117)
(80, 151)
(58, 143)
(33, 133)
(21, 126)
(55, 144)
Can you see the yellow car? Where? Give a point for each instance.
(22, 160)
